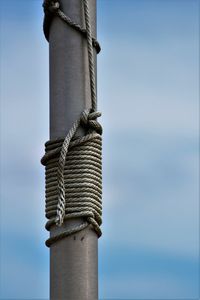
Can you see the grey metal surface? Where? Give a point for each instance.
(73, 260)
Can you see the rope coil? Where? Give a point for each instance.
(73, 165)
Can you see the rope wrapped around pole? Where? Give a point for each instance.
(74, 164)
(52, 8)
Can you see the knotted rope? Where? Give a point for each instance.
(73, 165)
(51, 9)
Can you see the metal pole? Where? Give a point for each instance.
(73, 260)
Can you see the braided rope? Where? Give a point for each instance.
(73, 165)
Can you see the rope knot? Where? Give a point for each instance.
(84, 117)
(89, 119)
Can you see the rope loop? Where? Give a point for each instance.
(53, 8)
(89, 120)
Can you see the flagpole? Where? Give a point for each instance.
(74, 259)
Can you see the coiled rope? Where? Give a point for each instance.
(73, 165)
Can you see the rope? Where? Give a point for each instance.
(90, 55)
(73, 165)
(51, 9)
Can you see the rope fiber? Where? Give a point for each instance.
(73, 167)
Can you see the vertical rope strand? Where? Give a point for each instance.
(90, 55)
(60, 174)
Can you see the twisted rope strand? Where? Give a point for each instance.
(60, 174)
(90, 56)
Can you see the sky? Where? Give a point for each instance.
(148, 92)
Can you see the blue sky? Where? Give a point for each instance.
(148, 91)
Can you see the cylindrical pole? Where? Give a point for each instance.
(73, 260)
